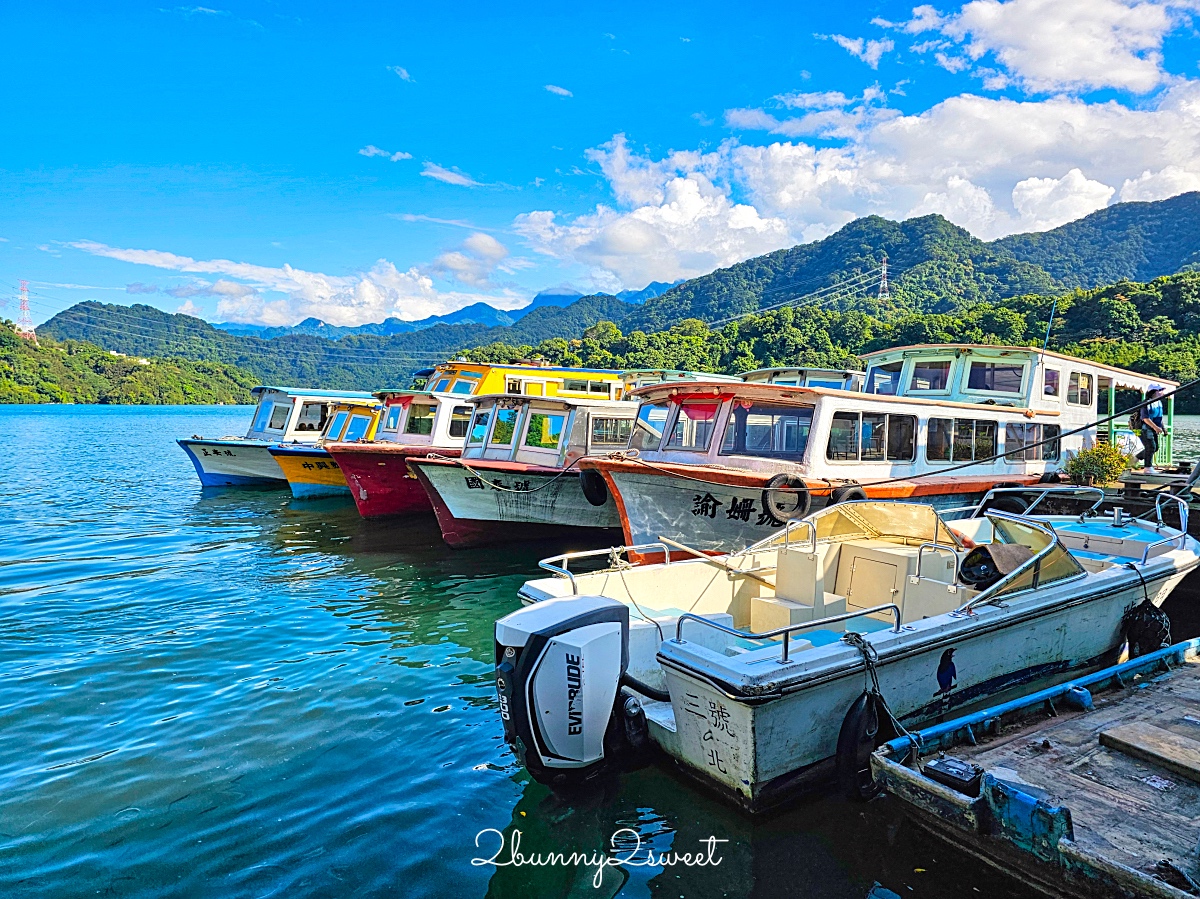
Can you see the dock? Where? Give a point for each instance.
(1088, 789)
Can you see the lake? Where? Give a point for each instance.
(232, 693)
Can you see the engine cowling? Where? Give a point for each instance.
(559, 667)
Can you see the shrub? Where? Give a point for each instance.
(1101, 464)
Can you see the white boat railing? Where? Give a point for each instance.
(612, 552)
(977, 509)
(939, 547)
(787, 532)
(1183, 510)
(787, 630)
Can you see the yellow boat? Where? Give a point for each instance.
(529, 379)
(309, 469)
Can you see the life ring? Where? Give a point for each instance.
(786, 496)
(859, 737)
(850, 493)
(595, 491)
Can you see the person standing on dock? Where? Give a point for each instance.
(1151, 426)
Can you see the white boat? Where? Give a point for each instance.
(753, 671)
(283, 415)
(721, 465)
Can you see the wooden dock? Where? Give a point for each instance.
(1088, 789)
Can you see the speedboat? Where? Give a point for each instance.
(763, 672)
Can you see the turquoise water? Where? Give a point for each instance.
(237, 694)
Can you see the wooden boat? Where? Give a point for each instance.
(515, 479)
(1090, 789)
(748, 670)
(412, 423)
(283, 415)
(310, 470)
(719, 465)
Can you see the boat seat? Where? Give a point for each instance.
(644, 639)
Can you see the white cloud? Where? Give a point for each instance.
(561, 91)
(473, 263)
(284, 296)
(1045, 203)
(401, 72)
(1167, 182)
(815, 100)
(1064, 45)
(372, 150)
(869, 51)
(449, 176)
(189, 308)
(924, 18)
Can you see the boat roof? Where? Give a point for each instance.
(718, 389)
(678, 374)
(525, 399)
(316, 394)
(800, 369)
(1004, 350)
(527, 366)
(408, 391)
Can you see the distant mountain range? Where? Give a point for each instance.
(936, 267)
(475, 314)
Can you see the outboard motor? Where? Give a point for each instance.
(559, 667)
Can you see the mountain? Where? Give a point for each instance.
(1128, 241)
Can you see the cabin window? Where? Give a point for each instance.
(572, 385)
(263, 416)
(960, 440)
(871, 437)
(479, 426)
(611, 431)
(420, 419)
(505, 427)
(392, 422)
(693, 426)
(545, 430)
(884, 379)
(335, 427)
(460, 419)
(828, 385)
(312, 417)
(440, 385)
(513, 386)
(648, 429)
(279, 417)
(1050, 382)
(939, 441)
(775, 431)
(1079, 389)
(598, 387)
(930, 374)
(357, 429)
(463, 387)
(996, 377)
(1020, 439)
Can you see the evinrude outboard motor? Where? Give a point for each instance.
(559, 667)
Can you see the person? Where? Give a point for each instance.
(1152, 426)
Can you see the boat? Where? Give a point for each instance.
(310, 470)
(516, 477)
(748, 670)
(721, 465)
(282, 415)
(412, 423)
(1090, 789)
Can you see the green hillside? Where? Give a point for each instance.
(77, 372)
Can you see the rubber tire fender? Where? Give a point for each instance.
(595, 491)
(859, 737)
(850, 493)
(780, 505)
(1014, 505)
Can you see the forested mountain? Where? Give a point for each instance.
(75, 372)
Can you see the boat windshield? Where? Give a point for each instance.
(1057, 565)
(911, 523)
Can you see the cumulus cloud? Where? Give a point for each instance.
(561, 91)
(474, 262)
(372, 150)
(449, 176)
(869, 51)
(189, 308)
(284, 296)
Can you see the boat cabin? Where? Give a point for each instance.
(286, 414)
(528, 379)
(634, 378)
(423, 418)
(833, 379)
(350, 421)
(549, 431)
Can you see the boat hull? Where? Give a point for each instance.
(726, 511)
(770, 748)
(472, 512)
(380, 480)
(311, 472)
(234, 463)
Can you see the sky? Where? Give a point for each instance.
(263, 162)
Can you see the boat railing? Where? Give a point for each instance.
(562, 570)
(787, 532)
(976, 510)
(939, 548)
(789, 629)
(1032, 563)
(1178, 500)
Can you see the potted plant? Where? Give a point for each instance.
(1102, 464)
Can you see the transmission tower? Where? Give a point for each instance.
(25, 320)
(885, 292)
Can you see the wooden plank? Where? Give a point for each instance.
(1156, 745)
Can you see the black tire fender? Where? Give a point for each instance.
(859, 737)
(786, 496)
(1014, 505)
(595, 491)
(850, 493)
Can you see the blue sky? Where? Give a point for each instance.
(262, 162)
